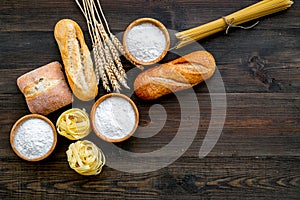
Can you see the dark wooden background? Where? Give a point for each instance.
(258, 153)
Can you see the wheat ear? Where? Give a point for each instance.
(111, 76)
(115, 40)
(117, 73)
(113, 56)
(111, 53)
(100, 70)
(89, 7)
(112, 68)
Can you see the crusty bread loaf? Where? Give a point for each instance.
(45, 89)
(77, 59)
(182, 73)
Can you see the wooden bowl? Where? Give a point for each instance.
(93, 112)
(16, 127)
(157, 24)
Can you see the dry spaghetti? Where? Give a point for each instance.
(85, 158)
(73, 124)
(260, 9)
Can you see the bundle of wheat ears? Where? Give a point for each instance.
(106, 47)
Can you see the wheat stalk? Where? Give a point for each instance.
(112, 69)
(100, 69)
(115, 40)
(108, 65)
(113, 56)
(111, 52)
(93, 36)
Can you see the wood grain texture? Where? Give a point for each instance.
(258, 153)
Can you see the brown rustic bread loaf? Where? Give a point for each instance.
(77, 59)
(182, 73)
(45, 89)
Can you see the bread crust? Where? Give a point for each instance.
(76, 59)
(182, 73)
(45, 89)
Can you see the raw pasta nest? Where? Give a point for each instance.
(73, 124)
(85, 158)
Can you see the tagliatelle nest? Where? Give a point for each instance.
(85, 158)
(73, 124)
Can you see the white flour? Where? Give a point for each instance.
(146, 42)
(115, 118)
(34, 138)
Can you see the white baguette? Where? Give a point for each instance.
(77, 59)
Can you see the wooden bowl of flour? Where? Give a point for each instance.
(33, 137)
(146, 41)
(114, 117)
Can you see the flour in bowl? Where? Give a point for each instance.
(34, 138)
(146, 42)
(115, 118)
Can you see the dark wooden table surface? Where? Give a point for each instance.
(256, 157)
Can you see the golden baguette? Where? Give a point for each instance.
(77, 59)
(182, 73)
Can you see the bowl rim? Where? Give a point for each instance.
(15, 128)
(93, 111)
(159, 25)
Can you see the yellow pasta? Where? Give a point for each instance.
(260, 9)
(73, 124)
(85, 158)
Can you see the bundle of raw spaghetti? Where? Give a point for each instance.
(260, 9)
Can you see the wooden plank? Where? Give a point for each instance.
(175, 14)
(242, 177)
(256, 125)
